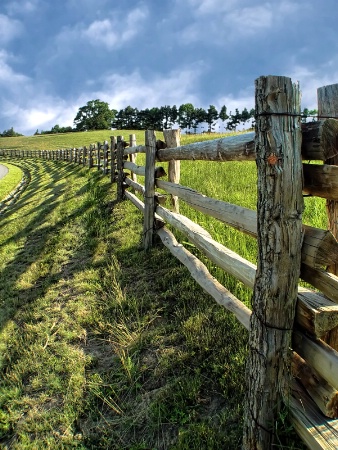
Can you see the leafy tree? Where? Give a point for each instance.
(126, 119)
(10, 133)
(200, 115)
(186, 115)
(245, 115)
(235, 119)
(211, 117)
(309, 112)
(95, 115)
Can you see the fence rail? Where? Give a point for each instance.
(285, 316)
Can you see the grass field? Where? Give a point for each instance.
(103, 346)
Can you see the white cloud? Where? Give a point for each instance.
(9, 29)
(231, 20)
(109, 32)
(9, 80)
(30, 107)
(312, 79)
(120, 91)
(23, 6)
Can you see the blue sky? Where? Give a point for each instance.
(55, 55)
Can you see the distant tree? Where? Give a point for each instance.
(200, 116)
(211, 117)
(95, 115)
(10, 133)
(126, 119)
(234, 120)
(223, 114)
(309, 113)
(186, 115)
(154, 119)
(245, 116)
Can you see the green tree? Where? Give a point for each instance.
(186, 115)
(10, 133)
(200, 115)
(211, 117)
(95, 115)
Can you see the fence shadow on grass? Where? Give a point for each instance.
(32, 234)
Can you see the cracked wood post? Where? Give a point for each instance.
(173, 139)
(279, 214)
(328, 106)
(119, 166)
(149, 194)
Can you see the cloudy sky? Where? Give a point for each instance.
(55, 55)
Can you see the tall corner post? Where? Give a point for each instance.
(173, 139)
(279, 216)
(328, 106)
(149, 185)
(119, 166)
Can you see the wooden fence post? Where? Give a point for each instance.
(112, 159)
(119, 166)
(173, 139)
(328, 106)
(105, 157)
(90, 156)
(132, 158)
(98, 155)
(279, 214)
(149, 194)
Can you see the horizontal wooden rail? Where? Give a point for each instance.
(325, 362)
(319, 246)
(319, 355)
(315, 313)
(317, 431)
(321, 180)
(326, 282)
(139, 170)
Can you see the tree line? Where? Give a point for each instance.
(10, 133)
(97, 115)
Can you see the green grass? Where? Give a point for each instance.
(9, 182)
(104, 346)
(80, 139)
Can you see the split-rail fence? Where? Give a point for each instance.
(293, 330)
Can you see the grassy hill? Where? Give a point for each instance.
(104, 346)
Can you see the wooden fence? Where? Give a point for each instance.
(293, 331)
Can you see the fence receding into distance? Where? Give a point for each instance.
(293, 330)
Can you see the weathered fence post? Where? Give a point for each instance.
(112, 159)
(105, 157)
(132, 158)
(173, 139)
(280, 206)
(149, 194)
(328, 106)
(98, 155)
(119, 166)
(90, 156)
